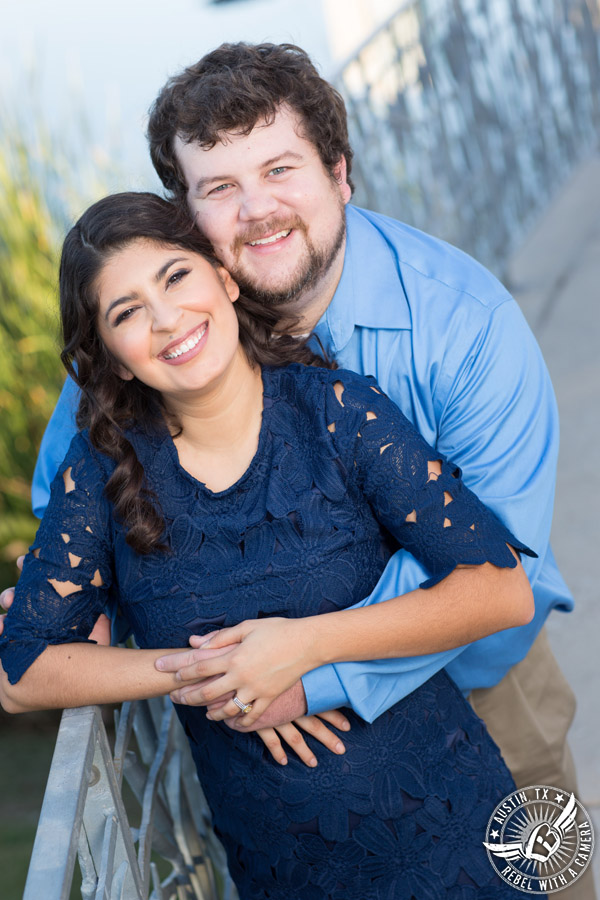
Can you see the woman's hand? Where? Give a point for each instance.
(292, 736)
(268, 656)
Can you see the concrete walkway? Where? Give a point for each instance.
(555, 277)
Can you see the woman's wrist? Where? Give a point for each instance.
(315, 642)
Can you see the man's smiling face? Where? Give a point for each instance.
(274, 214)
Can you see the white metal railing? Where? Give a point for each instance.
(83, 815)
(467, 115)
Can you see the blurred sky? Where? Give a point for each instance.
(109, 58)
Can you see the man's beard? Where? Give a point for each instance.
(315, 263)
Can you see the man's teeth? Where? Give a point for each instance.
(270, 240)
(187, 345)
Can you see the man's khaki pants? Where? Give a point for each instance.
(528, 715)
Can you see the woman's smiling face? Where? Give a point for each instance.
(166, 314)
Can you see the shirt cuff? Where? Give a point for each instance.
(323, 690)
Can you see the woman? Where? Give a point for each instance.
(218, 482)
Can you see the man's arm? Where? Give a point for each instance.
(497, 419)
(367, 687)
(370, 688)
(273, 652)
(58, 435)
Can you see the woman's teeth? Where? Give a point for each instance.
(187, 345)
(270, 240)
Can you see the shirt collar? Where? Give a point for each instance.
(370, 292)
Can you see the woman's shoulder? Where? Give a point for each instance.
(84, 454)
(290, 378)
(80, 449)
(84, 460)
(323, 395)
(329, 405)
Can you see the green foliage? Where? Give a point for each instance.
(30, 372)
(38, 192)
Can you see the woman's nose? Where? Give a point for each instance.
(165, 317)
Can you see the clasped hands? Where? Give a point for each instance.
(260, 661)
(256, 661)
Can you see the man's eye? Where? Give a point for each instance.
(278, 170)
(220, 189)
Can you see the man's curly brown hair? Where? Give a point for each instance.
(231, 89)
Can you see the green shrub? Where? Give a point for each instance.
(40, 196)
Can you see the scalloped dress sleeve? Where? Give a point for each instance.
(414, 491)
(68, 569)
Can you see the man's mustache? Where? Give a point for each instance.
(264, 229)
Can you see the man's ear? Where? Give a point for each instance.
(231, 286)
(340, 173)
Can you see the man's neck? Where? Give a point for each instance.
(300, 315)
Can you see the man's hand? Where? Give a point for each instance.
(291, 734)
(284, 709)
(101, 631)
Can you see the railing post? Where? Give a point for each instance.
(55, 847)
(105, 822)
(83, 812)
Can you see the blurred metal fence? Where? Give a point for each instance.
(467, 115)
(83, 813)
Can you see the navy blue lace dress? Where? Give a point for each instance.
(334, 488)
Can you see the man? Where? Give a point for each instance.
(255, 143)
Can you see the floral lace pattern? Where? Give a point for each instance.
(340, 479)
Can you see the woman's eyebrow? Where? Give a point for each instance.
(126, 299)
(164, 269)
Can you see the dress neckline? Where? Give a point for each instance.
(267, 376)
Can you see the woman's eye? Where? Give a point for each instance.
(176, 276)
(278, 170)
(125, 314)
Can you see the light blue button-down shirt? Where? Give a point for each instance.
(450, 346)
